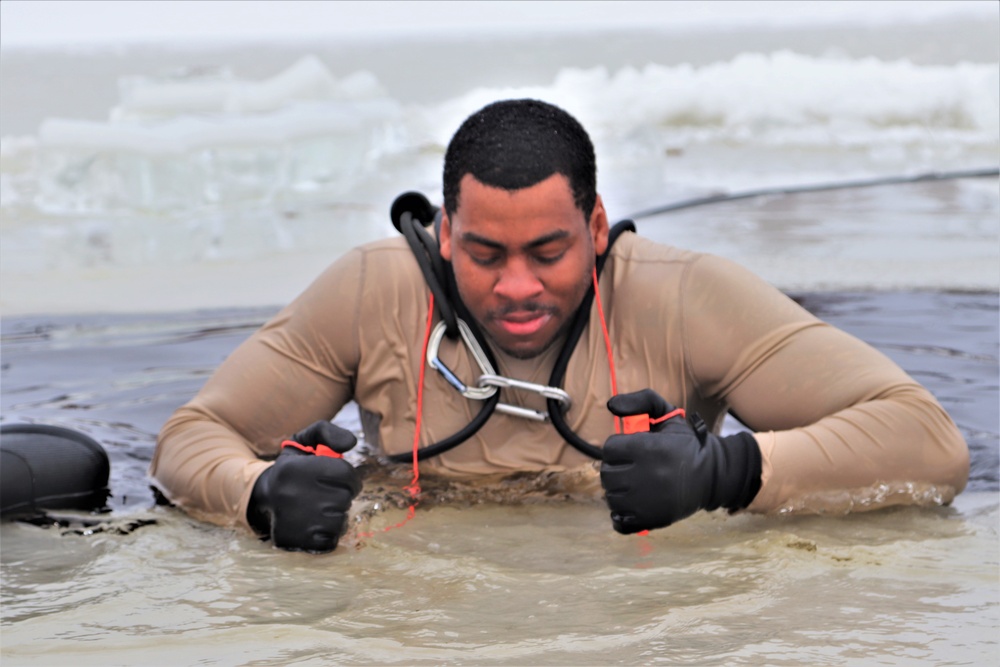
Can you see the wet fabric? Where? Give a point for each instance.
(838, 423)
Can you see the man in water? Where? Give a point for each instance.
(671, 341)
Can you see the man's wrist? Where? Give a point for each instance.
(259, 519)
(746, 460)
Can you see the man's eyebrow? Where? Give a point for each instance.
(472, 237)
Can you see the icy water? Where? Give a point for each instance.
(170, 177)
(158, 203)
(535, 577)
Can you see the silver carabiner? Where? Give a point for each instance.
(502, 382)
(477, 393)
(489, 383)
(524, 413)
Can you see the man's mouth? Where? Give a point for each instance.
(523, 323)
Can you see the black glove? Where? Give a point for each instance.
(653, 478)
(301, 501)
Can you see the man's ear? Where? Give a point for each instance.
(444, 243)
(599, 227)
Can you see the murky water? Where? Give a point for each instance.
(538, 579)
(527, 585)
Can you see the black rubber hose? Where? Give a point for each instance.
(562, 363)
(984, 172)
(424, 256)
(414, 203)
(452, 441)
(425, 249)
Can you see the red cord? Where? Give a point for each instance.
(676, 412)
(413, 488)
(614, 380)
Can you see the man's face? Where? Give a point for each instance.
(522, 259)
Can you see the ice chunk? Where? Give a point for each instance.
(219, 91)
(208, 139)
(86, 166)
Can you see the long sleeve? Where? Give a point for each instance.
(297, 369)
(840, 426)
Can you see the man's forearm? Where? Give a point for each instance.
(205, 468)
(901, 448)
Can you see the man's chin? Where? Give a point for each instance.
(526, 347)
(522, 349)
(524, 353)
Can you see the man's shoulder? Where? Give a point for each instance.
(388, 256)
(648, 270)
(389, 263)
(636, 253)
(381, 262)
(391, 244)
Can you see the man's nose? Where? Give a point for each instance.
(517, 282)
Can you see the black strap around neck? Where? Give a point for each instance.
(580, 322)
(441, 281)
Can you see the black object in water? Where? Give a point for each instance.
(46, 467)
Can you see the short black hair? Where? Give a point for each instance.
(514, 144)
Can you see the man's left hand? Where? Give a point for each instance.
(654, 478)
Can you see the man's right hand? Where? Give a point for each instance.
(301, 501)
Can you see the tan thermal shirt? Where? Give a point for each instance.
(839, 425)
